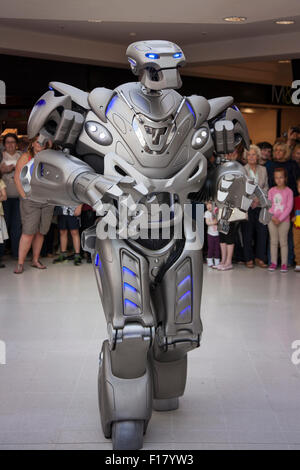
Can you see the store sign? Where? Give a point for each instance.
(282, 95)
(2, 92)
(285, 95)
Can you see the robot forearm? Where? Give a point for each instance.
(58, 178)
(231, 188)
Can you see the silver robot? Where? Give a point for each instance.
(137, 147)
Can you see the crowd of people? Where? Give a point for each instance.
(27, 225)
(276, 168)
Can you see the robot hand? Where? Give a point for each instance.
(98, 189)
(233, 189)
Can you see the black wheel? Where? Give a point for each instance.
(127, 435)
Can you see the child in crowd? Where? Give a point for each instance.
(213, 241)
(3, 229)
(69, 219)
(296, 227)
(282, 204)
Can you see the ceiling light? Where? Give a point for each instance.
(95, 21)
(284, 62)
(132, 34)
(235, 19)
(286, 22)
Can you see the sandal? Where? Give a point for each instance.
(19, 269)
(38, 265)
(226, 268)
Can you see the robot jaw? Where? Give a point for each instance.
(157, 63)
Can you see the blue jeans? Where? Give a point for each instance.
(13, 222)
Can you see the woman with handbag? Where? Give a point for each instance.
(11, 206)
(255, 234)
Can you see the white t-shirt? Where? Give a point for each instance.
(211, 229)
(9, 159)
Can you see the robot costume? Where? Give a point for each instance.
(133, 149)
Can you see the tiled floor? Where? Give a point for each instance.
(243, 391)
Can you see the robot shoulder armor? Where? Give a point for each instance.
(218, 105)
(200, 107)
(99, 99)
(78, 96)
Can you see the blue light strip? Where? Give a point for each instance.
(97, 260)
(177, 55)
(132, 61)
(184, 280)
(184, 310)
(110, 104)
(41, 102)
(131, 304)
(128, 271)
(185, 295)
(128, 286)
(191, 109)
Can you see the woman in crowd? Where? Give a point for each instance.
(36, 217)
(253, 230)
(296, 154)
(281, 159)
(11, 206)
(282, 204)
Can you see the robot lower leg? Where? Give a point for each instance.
(125, 392)
(169, 372)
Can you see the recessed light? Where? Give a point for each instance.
(285, 22)
(235, 19)
(248, 110)
(284, 62)
(132, 34)
(95, 21)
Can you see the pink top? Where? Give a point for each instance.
(282, 203)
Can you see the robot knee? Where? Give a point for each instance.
(129, 349)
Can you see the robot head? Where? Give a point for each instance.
(157, 63)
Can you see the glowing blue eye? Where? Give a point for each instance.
(177, 55)
(151, 55)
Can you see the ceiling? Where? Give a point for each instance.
(247, 51)
(184, 34)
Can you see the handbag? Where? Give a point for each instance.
(11, 189)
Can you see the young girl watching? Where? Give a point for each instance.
(282, 200)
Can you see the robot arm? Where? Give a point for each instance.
(59, 178)
(230, 187)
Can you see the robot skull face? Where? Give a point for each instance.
(157, 62)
